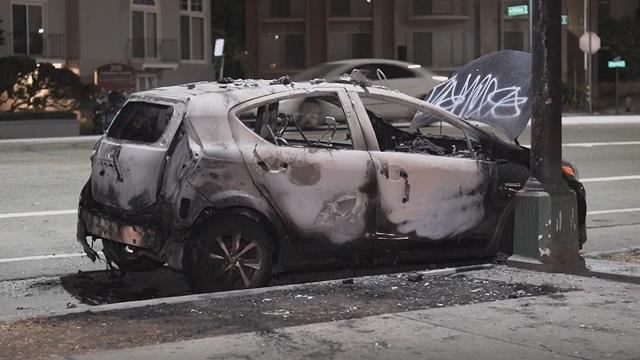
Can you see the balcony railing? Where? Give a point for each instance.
(161, 50)
(35, 44)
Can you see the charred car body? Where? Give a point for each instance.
(212, 179)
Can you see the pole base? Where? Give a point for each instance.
(546, 230)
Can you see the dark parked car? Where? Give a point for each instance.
(214, 180)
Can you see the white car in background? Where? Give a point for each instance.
(410, 79)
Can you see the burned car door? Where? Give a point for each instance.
(430, 186)
(129, 160)
(319, 179)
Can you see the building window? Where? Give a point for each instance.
(422, 7)
(423, 48)
(350, 45)
(281, 8)
(351, 8)
(191, 37)
(514, 40)
(27, 29)
(450, 45)
(191, 5)
(144, 31)
(283, 51)
(438, 7)
(284, 8)
(146, 82)
(192, 30)
(144, 2)
(294, 51)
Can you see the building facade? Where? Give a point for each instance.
(164, 42)
(286, 36)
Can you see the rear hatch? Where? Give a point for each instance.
(128, 164)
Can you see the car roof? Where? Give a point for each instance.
(370, 61)
(231, 92)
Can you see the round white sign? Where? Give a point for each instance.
(590, 38)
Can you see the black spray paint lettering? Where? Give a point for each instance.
(478, 98)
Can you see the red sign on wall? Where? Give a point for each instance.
(116, 77)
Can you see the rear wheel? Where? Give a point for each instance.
(230, 252)
(128, 258)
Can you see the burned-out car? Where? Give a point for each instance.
(214, 179)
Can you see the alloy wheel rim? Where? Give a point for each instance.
(233, 259)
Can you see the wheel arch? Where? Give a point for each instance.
(267, 218)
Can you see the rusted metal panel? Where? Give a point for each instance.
(119, 231)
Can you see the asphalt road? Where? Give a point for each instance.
(40, 183)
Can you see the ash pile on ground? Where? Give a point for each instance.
(313, 303)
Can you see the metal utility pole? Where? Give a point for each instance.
(546, 215)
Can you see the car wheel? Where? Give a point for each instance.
(228, 253)
(127, 258)
(310, 114)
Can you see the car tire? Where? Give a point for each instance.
(230, 252)
(127, 259)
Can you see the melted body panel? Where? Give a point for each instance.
(430, 196)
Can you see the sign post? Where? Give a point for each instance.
(218, 51)
(617, 64)
(590, 44)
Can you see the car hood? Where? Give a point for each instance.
(494, 89)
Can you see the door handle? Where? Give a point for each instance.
(270, 168)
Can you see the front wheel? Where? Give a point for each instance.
(230, 252)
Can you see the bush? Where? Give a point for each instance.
(36, 115)
(27, 86)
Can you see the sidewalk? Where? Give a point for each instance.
(498, 313)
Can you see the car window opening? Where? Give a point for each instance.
(310, 122)
(439, 139)
(141, 122)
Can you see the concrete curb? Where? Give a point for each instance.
(626, 272)
(52, 140)
(597, 254)
(247, 292)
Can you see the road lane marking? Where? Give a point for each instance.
(613, 211)
(37, 213)
(610, 178)
(613, 143)
(43, 257)
(595, 144)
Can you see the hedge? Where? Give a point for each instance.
(36, 115)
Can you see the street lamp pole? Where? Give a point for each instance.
(546, 216)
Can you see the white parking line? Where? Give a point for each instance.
(596, 144)
(610, 178)
(43, 257)
(612, 143)
(613, 211)
(37, 213)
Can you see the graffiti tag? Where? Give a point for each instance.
(478, 98)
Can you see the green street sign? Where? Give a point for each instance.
(564, 20)
(617, 64)
(518, 10)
